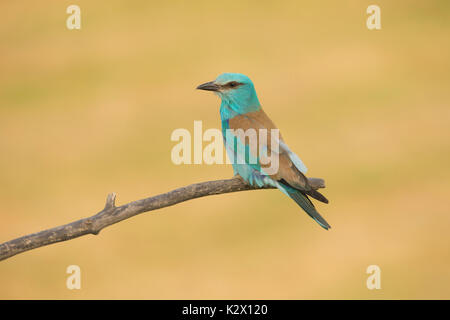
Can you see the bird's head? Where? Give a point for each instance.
(235, 90)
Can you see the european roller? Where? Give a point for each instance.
(240, 111)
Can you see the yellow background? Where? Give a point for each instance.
(87, 112)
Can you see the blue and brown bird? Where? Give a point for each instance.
(240, 111)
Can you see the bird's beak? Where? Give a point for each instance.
(209, 86)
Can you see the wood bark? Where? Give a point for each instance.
(112, 214)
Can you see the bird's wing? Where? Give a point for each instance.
(290, 166)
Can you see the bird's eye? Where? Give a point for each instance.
(233, 84)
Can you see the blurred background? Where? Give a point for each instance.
(87, 112)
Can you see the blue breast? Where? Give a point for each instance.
(243, 163)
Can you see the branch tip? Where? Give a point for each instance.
(110, 201)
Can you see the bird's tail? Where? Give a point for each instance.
(317, 195)
(303, 201)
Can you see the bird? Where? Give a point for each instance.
(241, 109)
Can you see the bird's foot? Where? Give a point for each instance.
(237, 176)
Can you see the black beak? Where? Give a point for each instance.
(209, 86)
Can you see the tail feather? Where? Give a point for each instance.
(302, 200)
(317, 195)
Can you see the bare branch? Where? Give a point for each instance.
(112, 214)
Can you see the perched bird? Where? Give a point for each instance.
(240, 109)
